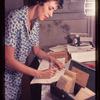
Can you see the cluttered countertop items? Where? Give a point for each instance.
(45, 65)
(83, 53)
(72, 82)
(63, 84)
(66, 83)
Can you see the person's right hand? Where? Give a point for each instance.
(46, 74)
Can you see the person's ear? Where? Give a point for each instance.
(41, 3)
(37, 2)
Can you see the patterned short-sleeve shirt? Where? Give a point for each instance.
(17, 36)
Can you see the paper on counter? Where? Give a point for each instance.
(84, 94)
(72, 49)
(82, 53)
(58, 48)
(83, 56)
(45, 65)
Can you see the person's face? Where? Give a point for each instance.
(45, 11)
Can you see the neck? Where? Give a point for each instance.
(32, 13)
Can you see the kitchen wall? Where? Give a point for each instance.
(70, 19)
(13, 4)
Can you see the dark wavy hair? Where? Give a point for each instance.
(41, 2)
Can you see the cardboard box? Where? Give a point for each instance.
(86, 79)
(61, 54)
(65, 83)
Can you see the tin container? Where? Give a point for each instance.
(76, 40)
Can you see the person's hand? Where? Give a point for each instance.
(46, 74)
(57, 63)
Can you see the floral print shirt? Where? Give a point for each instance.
(17, 36)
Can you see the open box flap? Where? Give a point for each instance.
(84, 70)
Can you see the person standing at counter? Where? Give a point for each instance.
(22, 34)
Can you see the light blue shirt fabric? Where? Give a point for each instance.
(17, 36)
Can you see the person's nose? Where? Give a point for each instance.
(51, 14)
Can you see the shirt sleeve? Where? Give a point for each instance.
(10, 31)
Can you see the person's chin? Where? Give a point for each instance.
(41, 19)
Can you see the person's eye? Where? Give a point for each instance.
(50, 8)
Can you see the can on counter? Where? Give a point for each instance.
(76, 40)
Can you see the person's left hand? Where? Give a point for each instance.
(57, 63)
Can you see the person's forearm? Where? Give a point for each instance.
(14, 64)
(18, 66)
(43, 55)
